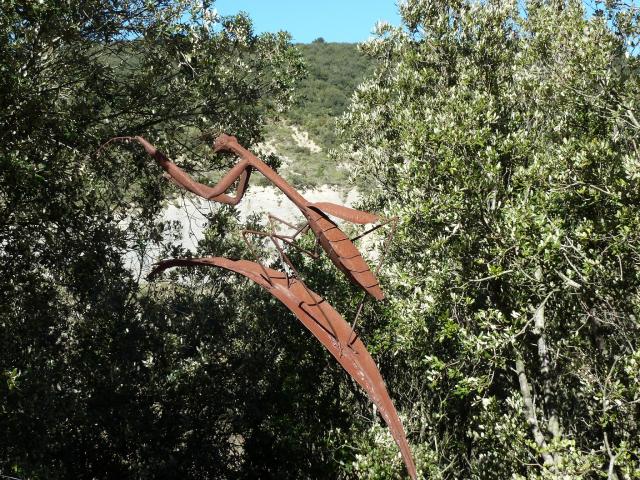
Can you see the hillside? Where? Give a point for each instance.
(305, 134)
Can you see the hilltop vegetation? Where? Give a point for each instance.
(334, 70)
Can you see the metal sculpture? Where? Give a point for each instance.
(320, 318)
(340, 249)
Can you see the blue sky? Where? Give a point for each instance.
(334, 20)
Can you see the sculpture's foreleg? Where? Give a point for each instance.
(393, 221)
(299, 230)
(242, 171)
(289, 239)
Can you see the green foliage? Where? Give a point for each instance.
(103, 375)
(504, 136)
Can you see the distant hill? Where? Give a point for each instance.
(335, 70)
(307, 132)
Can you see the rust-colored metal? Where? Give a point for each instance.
(326, 324)
(340, 249)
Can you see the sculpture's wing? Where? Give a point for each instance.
(327, 326)
(346, 213)
(342, 252)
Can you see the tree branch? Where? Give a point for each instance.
(543, 355)
(530, 411)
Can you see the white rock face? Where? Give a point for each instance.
(190, 212)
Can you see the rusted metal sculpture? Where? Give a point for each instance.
(340, 249)
(326, 325)
(324, 322)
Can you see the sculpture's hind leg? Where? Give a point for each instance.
(299, 230)
(355, 320)
(244, 234)
(387, 241)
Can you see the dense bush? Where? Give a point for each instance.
(505, 137)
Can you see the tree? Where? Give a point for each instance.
(505, 137)
(101, 374)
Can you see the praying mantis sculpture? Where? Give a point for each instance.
(322, 320)
(340, 249)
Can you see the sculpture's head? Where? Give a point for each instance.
(224, 142)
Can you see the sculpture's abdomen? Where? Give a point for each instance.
(342, 252)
